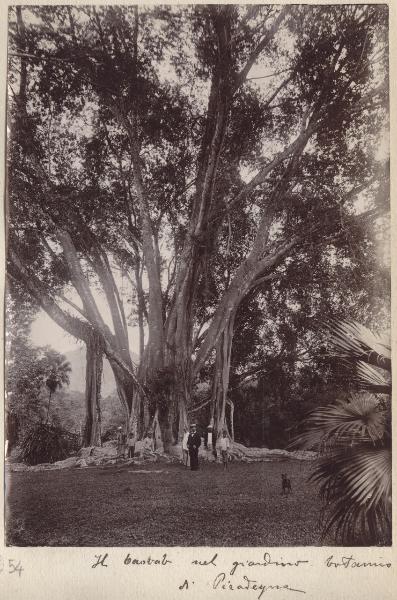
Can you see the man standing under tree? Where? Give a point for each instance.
(193, 444)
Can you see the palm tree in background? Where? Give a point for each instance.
(353, 439)
(57, 375)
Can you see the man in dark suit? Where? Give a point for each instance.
(193, 444)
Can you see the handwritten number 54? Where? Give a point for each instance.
(13, 566)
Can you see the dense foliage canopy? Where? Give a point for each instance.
(216, 169)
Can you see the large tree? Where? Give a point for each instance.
(199, 152)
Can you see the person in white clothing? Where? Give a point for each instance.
(185, 449)
(224, 445)
(148, 441)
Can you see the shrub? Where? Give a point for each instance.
(46, 443)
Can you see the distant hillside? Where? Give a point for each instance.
(77, 376)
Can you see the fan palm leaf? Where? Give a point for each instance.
(360, 419)
(353, 470)
(353, 341)
(356, 487)
(371, 378)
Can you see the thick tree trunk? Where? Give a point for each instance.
(221, 378)
(167, 406)
(94, 366)
(166, 416)
(141, 307)
(168, 390)
(126, 390)
(178, 360)
(231, 406)
(216, 398)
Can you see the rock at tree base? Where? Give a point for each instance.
(15, 467)
(67, 463)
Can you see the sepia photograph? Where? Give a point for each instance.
(198, 277)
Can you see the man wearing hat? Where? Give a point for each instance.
(193, 444)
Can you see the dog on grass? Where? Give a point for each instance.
(285, 484)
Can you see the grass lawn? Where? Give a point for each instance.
(118, 506)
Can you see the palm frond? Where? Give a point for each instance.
(353, 341)
(373, 379)
(353, 470)
(356, 487)
(344, 423)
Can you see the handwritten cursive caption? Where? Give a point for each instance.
(237, 575)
